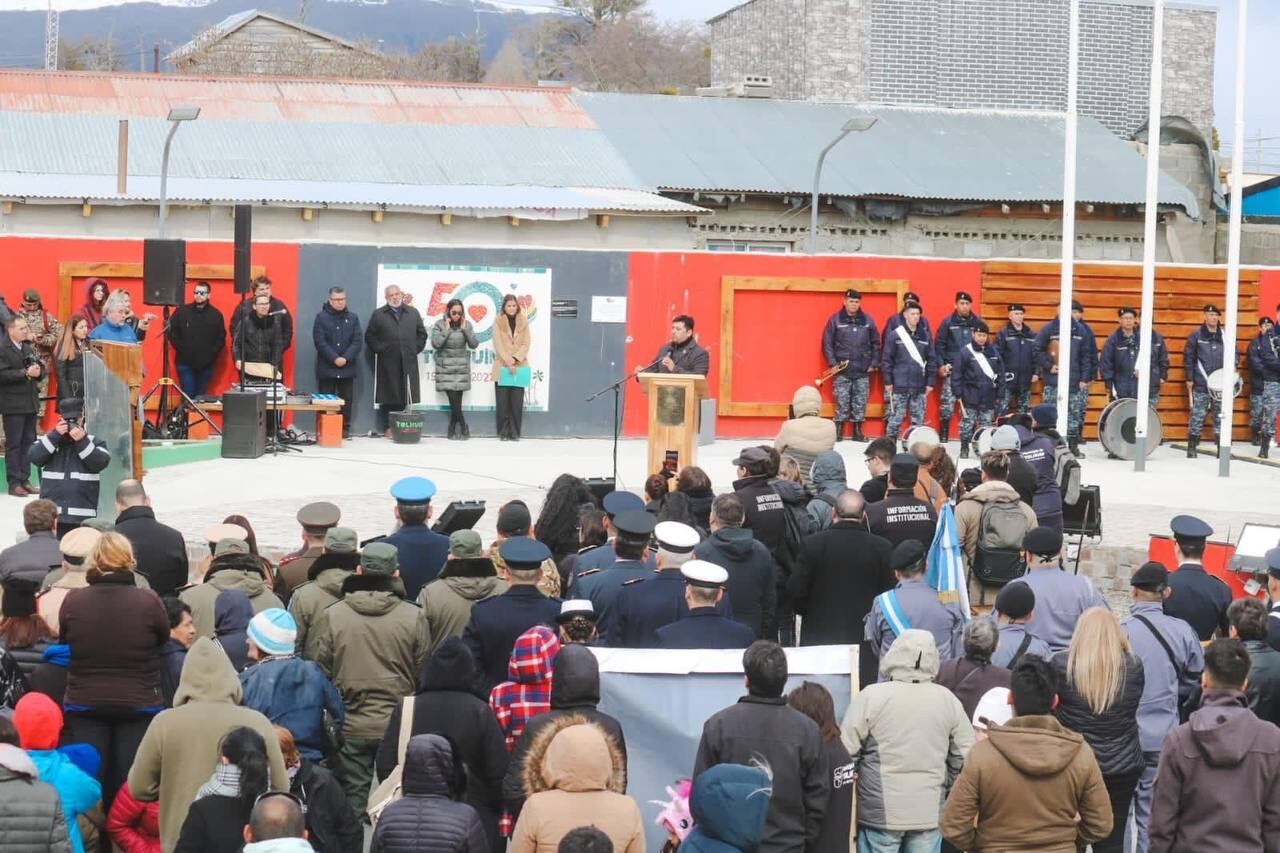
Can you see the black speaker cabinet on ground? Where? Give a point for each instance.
(164, 271)
(244, 238)
(1085, 515)
(244, 422)
(600, 486)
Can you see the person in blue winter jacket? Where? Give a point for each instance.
(851, 337)
(39, 724)
(954, 334)
(978, 382)
(1083, 369)
(728, 803)
(908, 369)
(1017, 345)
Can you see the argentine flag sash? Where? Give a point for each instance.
(892, 612)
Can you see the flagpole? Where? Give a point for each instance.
(1065, 326)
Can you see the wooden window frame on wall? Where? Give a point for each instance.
(731, 285)
(68, 271)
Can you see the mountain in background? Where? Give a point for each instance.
(395, 26)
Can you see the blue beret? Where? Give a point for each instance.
(413, 490)
(521, 551)
(616, 503)
(636, 523)
(1189, 527)
(1273, 563)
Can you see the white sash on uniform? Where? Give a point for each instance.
(910, 344)
(983, 364)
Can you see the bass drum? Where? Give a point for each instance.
(918, 434)
(1218, 378)
(1118, 425)
(982, 439)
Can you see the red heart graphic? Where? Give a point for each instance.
(477, 312)
(525, 301)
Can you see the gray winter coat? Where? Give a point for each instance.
(453, 355)
(828, 477)
(30, 817)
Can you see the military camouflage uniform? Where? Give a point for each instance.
(1077, 402)
(1019, 401)
(1270, 405)
(1201, 404)
(1256, 392)
(910, 405)
(45, 331)
(975, 419)
(946, 398)
(851, 397)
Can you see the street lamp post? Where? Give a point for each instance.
(177, 115)
(857, 124)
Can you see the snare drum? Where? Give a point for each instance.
(920, 435)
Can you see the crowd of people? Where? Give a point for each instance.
(440, 694)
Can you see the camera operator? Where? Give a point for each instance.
(20, 374)
(70, 461)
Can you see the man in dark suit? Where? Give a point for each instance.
(160, 551)
(496, 622)
(20, 374)
(702, 627)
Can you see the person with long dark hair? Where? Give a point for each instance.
(592, 533)
(557, 525)
(68, 357)
(815, 702)
(695, 483)
(511, 349)
(215, 821)
(453, 338)
(95, 300)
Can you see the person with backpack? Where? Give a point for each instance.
(991, 522)
(1061, 597)
(902, 515)
(912, 603)
(1039, 446)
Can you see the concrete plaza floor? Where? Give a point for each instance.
(356, 476)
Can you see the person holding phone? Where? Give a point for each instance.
(453, 338)
(70, 460)
(511, 351)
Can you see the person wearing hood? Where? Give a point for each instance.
(1031, 784)
(850, 338)
(993, 491)
(231, 614)
(324, 583)
(1038, 447)
(575, 690)
(829, 480)
(182, 743)
(331, 825)
(761, 727)
(338, 338)
(729, 804)
(39, 724)
(430, 815)
(96, 291)
(526, 694)
(752, 590)
(233, 567)
(161, 551)
(573, 772)
(910, 737)
(289, 691)
(371, 645)
(198, 335)
(1215, 788)
(444, 704)
(30, 814)
(115, 631)
(182, 633)
(807, 433)
(468, 576)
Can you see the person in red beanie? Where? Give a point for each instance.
(39, 723)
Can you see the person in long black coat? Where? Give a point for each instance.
(337, 338)
(445, 705)
(395, 336)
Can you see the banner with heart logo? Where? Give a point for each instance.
(481, 290)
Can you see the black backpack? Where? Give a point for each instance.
(997, 559)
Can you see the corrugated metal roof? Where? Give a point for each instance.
(538, 202)
(766, 146)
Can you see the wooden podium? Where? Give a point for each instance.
(673, 418)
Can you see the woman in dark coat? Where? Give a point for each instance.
(217, 817)
(814, 701)
(453, 338)
(446, 705)
(95, 297)
(68, 355)
(428, 816)
(332, 827)
(395, 337)
(1100, 682)
(336, 335)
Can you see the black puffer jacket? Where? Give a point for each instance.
(575, 690)
(427, 818)
(1112, 735)
(331, 825)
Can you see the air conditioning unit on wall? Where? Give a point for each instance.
(750, 86)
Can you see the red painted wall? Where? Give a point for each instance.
(33, 262)
(1268, 293)
(777, 336)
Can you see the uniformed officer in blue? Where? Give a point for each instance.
(908, 369)
(496, 622)
(1119, 363)
(1196, 596)
(630, 547)
(1017, 345)
(1273, 593)
(1264, 380)
(1172, 660)
(1201, 356)
(851, 337)
(647, 603)
(1081, 371)
(912, 604)
(1060, 597)
(702, 627)
(602, 556)
(978, 383)
(422, 551)
(1013, 608)
(954, 334)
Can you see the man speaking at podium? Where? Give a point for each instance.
(682, 354)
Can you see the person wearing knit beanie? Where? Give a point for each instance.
(271, 633)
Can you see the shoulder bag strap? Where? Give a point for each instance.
(1022, 649)
(1164, 644)
(406, 729)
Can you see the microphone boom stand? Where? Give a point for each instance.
(616, 388)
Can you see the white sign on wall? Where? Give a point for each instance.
(481, 290)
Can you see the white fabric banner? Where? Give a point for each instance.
(481, 290)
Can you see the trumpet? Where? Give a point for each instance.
(831, 371)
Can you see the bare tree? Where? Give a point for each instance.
(597, 12)
(90, 54)
(454, 60)
(508, 66)
(641, 54)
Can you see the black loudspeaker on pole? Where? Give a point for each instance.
(164, 270)
(244, 238)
